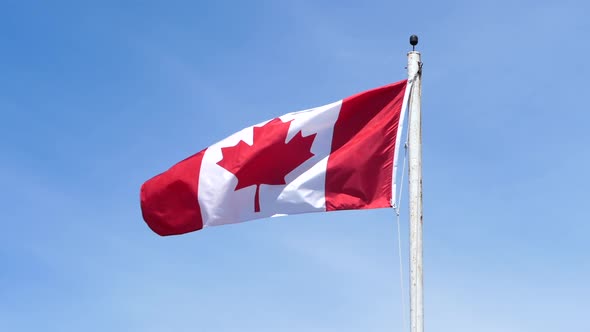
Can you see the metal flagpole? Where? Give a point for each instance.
(415, 188)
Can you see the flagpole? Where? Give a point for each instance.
(415, 188)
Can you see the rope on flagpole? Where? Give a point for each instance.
(399, 238)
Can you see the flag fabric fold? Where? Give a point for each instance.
(339, 156)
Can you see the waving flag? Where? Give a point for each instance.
(335, 157)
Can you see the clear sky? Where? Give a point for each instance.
(98, 96)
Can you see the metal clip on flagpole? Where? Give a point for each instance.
(415, 188)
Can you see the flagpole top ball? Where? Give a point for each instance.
(413, 41)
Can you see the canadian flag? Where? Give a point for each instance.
(340, 156)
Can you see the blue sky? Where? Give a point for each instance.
(97, 97)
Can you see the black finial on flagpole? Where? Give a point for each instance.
(413, 41)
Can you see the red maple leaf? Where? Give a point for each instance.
(269, 159)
